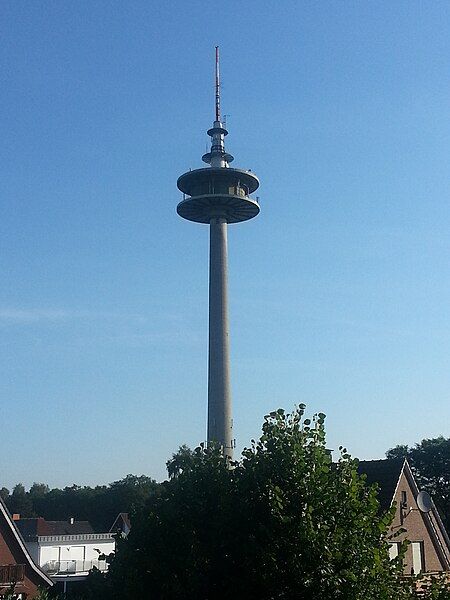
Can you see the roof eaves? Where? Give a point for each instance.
(443, 551)
(405, 464)
(21, 543)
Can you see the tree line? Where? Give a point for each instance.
(99, 505)
(429, 459)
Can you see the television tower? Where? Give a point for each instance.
(218, 195)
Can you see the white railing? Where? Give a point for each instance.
(73, 567)
(76, 537)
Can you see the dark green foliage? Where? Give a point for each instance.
(99, 505)
(283, 523)
(19, 501)
(46, 594)
(400, 451)
(436, 588)
(180, 461)
(38, 490)
(430, 461)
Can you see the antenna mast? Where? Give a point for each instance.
(217, 85)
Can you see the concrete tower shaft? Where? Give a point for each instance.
(218, 195)
(220, 421)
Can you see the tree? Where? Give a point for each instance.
(4, 493)
(430, 461)
(436, 587)
(99, 505)
(180, 461)
(283, 522)
(400, 451)
(20, 502)
(38, 490)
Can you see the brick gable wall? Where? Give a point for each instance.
(12, 554)
(417, 528)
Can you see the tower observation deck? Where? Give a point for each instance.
(218, 195)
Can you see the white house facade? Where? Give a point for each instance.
(71, 556)
(66, 550)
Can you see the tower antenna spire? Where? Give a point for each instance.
(217, 85)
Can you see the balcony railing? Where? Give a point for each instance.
(80, 537)
(10, 574)
(73, 567)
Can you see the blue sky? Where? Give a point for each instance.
(339, 290)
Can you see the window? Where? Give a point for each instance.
(403, 506)
(417, 557)
(393, 550)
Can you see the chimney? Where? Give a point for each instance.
(16, 517)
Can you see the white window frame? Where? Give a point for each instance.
(393, 550)
(418, 558)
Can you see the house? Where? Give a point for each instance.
(66, 550)
(16, 564)
(121, 524)
(429, 547)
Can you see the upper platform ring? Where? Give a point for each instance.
(190, 181)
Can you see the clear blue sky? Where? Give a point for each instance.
(339, 290)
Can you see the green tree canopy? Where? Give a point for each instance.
(19, 501)
(38, 490)
(99, 505)
(283, 523)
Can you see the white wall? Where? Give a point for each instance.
(104, 547)
(76, 550)
(47, 554)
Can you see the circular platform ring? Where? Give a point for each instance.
(201, 209)
(186, 181)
